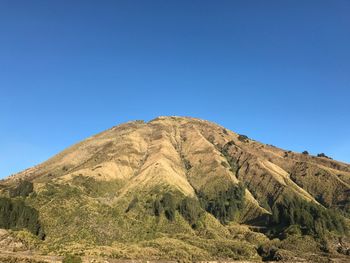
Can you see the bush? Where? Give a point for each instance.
(323, 155)
(187, 163)
(24, 188)
(306, 152)
(243, 138)
(224, 164)
(71, 259)
(132, 204)
(293, 230)
(267, 252)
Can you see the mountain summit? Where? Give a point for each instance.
(180, 188)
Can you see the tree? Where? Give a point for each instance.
(190, 209)
(15, 214)
(323, 155)
(225, 205)
(157, 208)
(311, 217)
(169, 205)
(275, 215)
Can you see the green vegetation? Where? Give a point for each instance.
(132, 204)
(291, 248)
(169, 206)
(191, 210)
(225, 205)
(265, 204)
(187, 163)
(312, 219)
(15, 214)
(24, 188)
(71, 259)
(157, 208)
(231, 160)
(243, 138)
(224, 164)
(102, 199)
(323, 155)
(95, 188)
(268, 252)
(306, 152)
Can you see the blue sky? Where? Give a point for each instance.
(277, 71)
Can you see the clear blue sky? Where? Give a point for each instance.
(277, 71)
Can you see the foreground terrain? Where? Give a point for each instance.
(177, 189)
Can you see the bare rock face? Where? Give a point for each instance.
(111, 188)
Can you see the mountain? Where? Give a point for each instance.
(179, 188)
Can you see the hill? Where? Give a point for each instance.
(180, 188)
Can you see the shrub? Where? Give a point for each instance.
(243, 138)
(211, 139)
(71, 259)
(224, 164)
(24, 188)
(293, 230)
(132, 204)
(267, 252)
(306, 152)
(323, 155)
(187, 163)
(265, 204)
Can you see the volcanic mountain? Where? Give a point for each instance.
(180, 188)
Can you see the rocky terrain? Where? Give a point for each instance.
(178, 188)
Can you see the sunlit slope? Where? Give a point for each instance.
(176, 184)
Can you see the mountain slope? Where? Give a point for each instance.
(179, 188)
